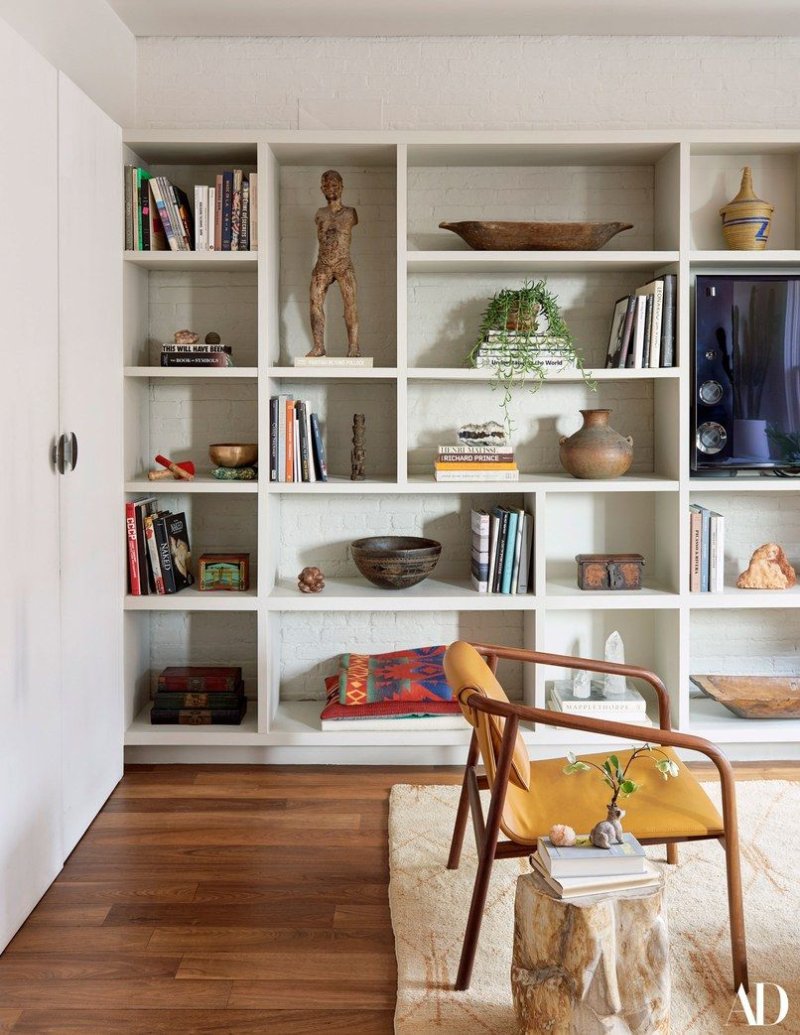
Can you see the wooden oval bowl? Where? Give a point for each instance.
(395, 561)
(483, 235)
(233, 454)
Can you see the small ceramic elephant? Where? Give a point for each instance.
(608, 832)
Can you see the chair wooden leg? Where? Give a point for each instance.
(672, 854)
(463, 807)
(736, 909)
(486, 856)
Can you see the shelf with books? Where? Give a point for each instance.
(452, 261)
(208, 262)
(356, 594)
(193, 599)
(192, 374)
(200, 484)
(141, 732)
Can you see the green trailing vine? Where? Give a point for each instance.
(513, 317)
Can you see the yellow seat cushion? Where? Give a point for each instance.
(678, 807)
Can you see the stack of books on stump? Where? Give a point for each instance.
(475, 464)
(189, 695)
(583, 869)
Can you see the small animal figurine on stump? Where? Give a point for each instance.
(358, 454)
(311, 580)
(769, 568)
(186, 338)
(335, 224)
(608, 831)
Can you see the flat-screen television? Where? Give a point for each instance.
(746, 374)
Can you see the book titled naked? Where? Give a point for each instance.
(200, 677)
(333, 361)
(584, 860)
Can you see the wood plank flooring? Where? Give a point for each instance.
(223, 899)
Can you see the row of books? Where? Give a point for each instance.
(502, 551)
(196, 355)
(628, 707)
(190, 695)
(643, 326)
(159, 216)
(159, 556)
(516, 349)
(475, 464)
(296, 449)
(581, 869)
(706, 550)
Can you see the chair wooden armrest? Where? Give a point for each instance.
(492, 652)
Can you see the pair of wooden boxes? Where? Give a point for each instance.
(610, 570)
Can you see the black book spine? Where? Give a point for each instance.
(144, 200)
(320, 463)
(502, 546)
(164, 554)
(180, 550)
(305, 456)
(227, 209)
(273, 439)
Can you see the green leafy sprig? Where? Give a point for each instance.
(615, 777)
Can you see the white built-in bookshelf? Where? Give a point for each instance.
(421, 293)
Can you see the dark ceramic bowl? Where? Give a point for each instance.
(395, 561)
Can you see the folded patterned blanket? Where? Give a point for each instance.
(413, 675)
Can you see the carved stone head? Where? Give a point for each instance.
(331, 185)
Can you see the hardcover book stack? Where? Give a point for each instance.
(296, 449)
(643, 326)
(515, 349)
(188, 695)
(582, 869)
(159, 555)
(159, 217)
(200, 355)
(628, 707)
(475, 464)
(502, 551)
(706, 550)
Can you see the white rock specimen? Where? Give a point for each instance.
(615, 686)
(489, 433)
(581, 684)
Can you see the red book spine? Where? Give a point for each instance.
(134, 577)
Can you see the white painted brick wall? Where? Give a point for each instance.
(311, 643)
(756, 643)
(203, 638)
(470, 83)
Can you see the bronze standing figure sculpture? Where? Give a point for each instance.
(335, 223)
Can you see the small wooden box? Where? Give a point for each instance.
(610, 570)
(224, 571)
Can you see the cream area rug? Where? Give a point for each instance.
(429, 907)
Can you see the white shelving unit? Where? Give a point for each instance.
(420, 294)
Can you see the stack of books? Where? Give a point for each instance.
(629, 707)
(159, 555)
(188, 695)
(706, 550)
(475, 464)
(516, 349)
(643, 326)
(583, 869)
(502, 551)
(159, 217)
(296, 449)
(200, 355)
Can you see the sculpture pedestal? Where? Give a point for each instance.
(597, 965)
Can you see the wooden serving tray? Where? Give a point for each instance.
(754, 697)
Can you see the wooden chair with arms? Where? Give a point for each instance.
(527, 798)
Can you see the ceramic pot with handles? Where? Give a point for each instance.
(596, 450)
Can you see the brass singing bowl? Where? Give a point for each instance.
(233, 454)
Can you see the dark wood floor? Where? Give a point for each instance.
(222, 899)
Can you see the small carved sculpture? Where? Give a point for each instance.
(769, 568)
(562, 836)
(311, 580)
(335, 224)
(358, 454)
(212, 338)
(608, 831)
(186, 338)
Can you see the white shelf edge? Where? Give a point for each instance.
(178, 486)
(333, 373)
(457, 261)
(569, 376)
(141, 733)
(210, 261)
(191, 373)
(192, 599)
(356, 594)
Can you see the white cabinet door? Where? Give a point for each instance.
(30, 717)
(92, 509)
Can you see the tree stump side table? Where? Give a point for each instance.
(597, 965)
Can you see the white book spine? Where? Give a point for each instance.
(717, 572)
(476, 476)
(517, 553)
(638, 334)
(296, 427)
(655, 327)
(211, 209)
(494, 531)
(199, 219)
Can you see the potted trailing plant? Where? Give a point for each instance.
(609, 830)
(521, 330)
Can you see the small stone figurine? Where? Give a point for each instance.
(358, 454)
(608, 831)
(335, 223)
(311, 580)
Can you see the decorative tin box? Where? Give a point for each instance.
(229, 571)
(610, 570)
